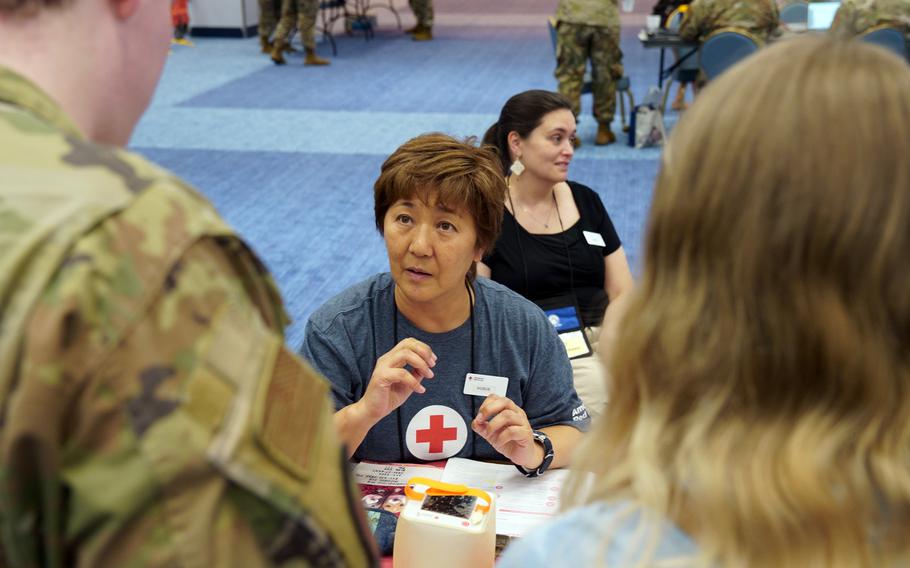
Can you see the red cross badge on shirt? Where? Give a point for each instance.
(436, 432)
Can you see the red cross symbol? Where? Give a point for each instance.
(436, 435)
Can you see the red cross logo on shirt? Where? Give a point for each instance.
(437, 434)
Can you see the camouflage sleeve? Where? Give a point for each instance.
(845, 19)
(771, 22)
(695, 20)
(165, 421)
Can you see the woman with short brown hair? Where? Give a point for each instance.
(426, 362)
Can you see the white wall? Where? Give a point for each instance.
(239, 14)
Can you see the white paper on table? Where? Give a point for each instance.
(521, 502)
(392, 474)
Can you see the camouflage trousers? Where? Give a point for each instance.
(268, 17)
(575, 45)
(423, 11)
(304, 11)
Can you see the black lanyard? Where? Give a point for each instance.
(470, 290)
(565, 244)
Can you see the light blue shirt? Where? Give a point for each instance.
(601, 534)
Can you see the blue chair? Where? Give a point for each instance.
(796, 13)
(725, 48)
(888, 37)
(623, 85)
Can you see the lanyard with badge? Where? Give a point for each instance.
(475, 384)
(562, 311)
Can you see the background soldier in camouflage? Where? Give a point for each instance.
(304, 12)
(856, 16)
(589, 30)
(268, 20)
(758, 17)
(423, 11)
(150, 414)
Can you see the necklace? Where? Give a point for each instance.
(545, 223)
(526, 209)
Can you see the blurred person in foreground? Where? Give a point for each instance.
(759, 413)
(149, 412)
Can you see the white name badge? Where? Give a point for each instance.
(482, 385)
(576, 343)
(594, 239)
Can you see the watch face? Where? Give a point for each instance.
(460, 506)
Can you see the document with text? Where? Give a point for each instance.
(521, 502)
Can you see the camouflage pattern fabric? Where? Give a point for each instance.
(575, 45)
(268, 17)
(150, 414)
(856, 16)
(760, 17)
(423, 12)
(603, 13)
(304, 12)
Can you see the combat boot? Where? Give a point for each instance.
(266, 45)
(277, 54)
(312, 59)
(422, 33)
(604, 135)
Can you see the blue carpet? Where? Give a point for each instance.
(289, 154)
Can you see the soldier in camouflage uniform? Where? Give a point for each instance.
(268, 21)
(304, 13)
(857, 16)
(758, 17)
(423, 12)
(150, 414)
(589, 30)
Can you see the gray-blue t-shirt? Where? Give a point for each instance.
(512, 338)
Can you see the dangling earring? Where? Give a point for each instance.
(517, 167)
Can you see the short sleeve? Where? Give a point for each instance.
(607, 230)
(551, 399)
(332, 354)
(595, 217)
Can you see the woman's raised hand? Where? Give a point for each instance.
(505, 426)
(392, 382)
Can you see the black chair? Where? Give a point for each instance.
(330, 11)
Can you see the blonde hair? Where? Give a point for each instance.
(761, 395)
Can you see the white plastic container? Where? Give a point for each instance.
(446, 531)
